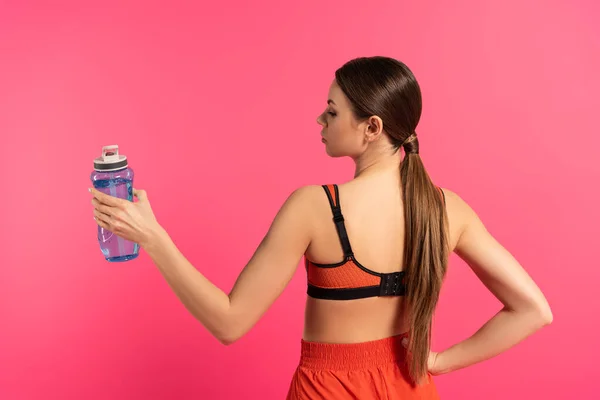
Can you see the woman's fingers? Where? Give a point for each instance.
(140, 194)
(103, 208)
(107, 199)
(100, 216)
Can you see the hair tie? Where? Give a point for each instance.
(411, 144)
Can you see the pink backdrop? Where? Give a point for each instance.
(215, 106)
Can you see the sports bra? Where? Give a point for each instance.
(349, 279)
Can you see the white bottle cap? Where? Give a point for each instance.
(110, 160)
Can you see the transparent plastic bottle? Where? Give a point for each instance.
(113, 176)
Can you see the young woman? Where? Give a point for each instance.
(376, 250)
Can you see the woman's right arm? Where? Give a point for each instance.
(525, 308)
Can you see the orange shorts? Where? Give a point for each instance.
(369, 370)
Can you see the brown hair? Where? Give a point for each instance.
(385, 87)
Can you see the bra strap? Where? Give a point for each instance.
(334, 201)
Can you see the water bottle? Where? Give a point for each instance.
(113, 176)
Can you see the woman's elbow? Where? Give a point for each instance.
(227, 340)
(546, 315)
(542, 314)
(229, 336)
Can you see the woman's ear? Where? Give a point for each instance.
(373, 128)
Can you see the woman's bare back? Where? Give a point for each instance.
(374, 217)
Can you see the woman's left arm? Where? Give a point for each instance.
(227, 317)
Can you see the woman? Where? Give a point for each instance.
(376, 251)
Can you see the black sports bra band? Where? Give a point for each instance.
(338, 219)
(391, 284)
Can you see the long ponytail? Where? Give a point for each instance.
(425, 253)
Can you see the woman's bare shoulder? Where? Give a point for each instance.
(460, 215)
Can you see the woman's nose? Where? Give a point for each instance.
(320, 120)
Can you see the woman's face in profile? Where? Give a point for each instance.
(340, 131)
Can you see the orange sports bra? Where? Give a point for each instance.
(349, 279)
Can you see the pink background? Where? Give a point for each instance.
(224, 97)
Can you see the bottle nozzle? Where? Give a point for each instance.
(110, 153)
